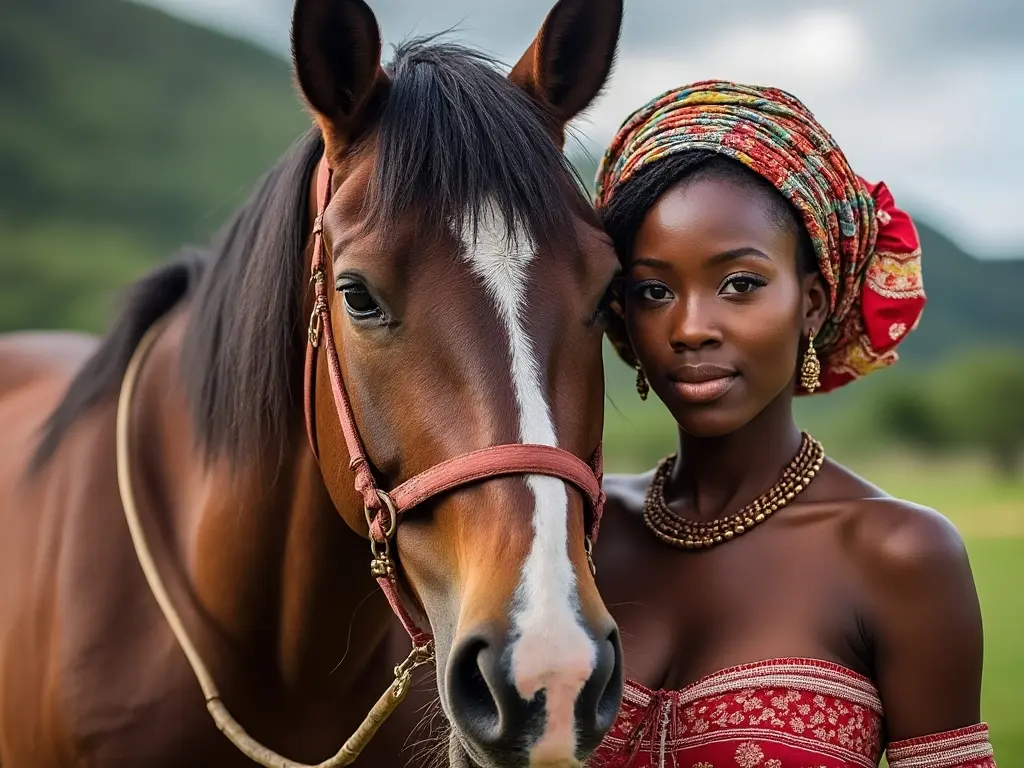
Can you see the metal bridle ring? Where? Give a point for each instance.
(392, 513)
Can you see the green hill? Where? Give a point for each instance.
(125, 133)
(970, 301)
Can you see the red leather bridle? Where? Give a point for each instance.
(384, 509)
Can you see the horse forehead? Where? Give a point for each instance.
(503, 252)
(561, 265)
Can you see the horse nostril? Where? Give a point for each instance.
(492, 717)
(599, 701)
(470, 696)
(611, 696)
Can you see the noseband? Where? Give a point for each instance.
(384, 509)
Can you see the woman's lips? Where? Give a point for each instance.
(702, 383)
(703, 391)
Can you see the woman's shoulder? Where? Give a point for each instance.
(910, 559)
(908, 550)
(891, 533)
(917, 586)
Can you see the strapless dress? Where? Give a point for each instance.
(780, 713)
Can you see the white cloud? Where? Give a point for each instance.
(817, 45)
(925, 94)
(935, 136)
(787, 54)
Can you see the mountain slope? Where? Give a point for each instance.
(123, 133)
(970, 301)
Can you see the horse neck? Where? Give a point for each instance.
(277, 572)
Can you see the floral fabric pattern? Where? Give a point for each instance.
(781, 713)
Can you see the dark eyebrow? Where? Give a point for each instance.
(655, 263)
(737, 253)
(718, 258)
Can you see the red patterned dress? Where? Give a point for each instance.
(782, 713)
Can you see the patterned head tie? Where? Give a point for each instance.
(868, 249)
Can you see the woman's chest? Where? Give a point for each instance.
(683, 615)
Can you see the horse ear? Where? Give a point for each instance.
(336, 51)
(569, 61)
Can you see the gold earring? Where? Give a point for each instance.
(810, 371)
(642, 387)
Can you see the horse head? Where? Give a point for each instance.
(466, 286)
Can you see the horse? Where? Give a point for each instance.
(189, 504)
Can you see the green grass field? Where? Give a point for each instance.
(988, 511)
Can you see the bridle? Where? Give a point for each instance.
(383, 509)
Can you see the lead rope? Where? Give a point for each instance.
(251, 748)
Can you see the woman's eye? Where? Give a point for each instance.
(742, 284)
(359, 303)
(654, 292)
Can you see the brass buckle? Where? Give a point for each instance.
(382, 566)
(588, 547)
(420, 655)
(319, 307)
(315, 327)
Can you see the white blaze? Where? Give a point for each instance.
(551, 650)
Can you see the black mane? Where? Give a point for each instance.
(455, 136)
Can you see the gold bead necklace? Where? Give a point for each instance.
(693, 534)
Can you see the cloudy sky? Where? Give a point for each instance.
(927, 95)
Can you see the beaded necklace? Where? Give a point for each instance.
(694, 534)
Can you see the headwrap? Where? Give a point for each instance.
(868, 250)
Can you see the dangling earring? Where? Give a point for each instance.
(810, 371)
(642, 387)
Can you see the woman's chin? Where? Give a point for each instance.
(714, 417)
(715, 420)
(720, 417)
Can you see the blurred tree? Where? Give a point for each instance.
(906, 409)
(982, 404)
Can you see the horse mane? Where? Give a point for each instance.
(457, 137)
(144, 302)
(457, 140)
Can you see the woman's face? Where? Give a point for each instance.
(715, 305)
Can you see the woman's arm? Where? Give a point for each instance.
(925, 629)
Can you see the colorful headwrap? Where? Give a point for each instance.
(868, 249)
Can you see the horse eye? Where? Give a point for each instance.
(358, 302)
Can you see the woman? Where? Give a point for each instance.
(791, 614)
